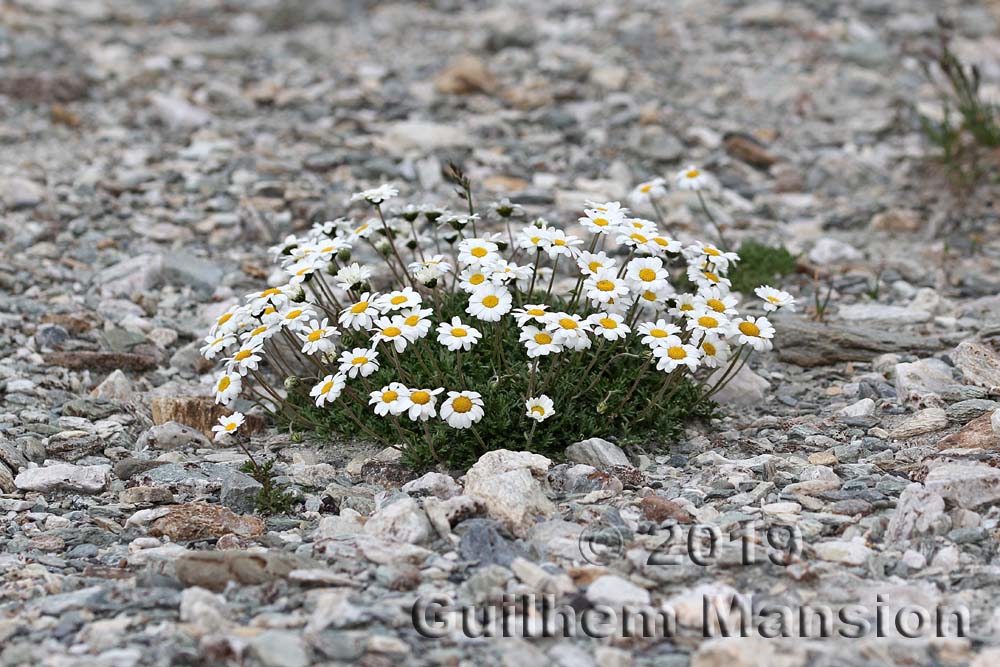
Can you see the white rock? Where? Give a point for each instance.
(989, 657)
(418, 135)
(115, 387)
(749, 651)
(616, 592)
(919, 512)
(967, 484)
(598, 453)
(745, 388)
(19, 192)
(842, 551)
(863, 408)
(689, 605)
(403, 521)
(204, 610)
(882, 313)
(510, 485)
(919, 423)
(922, 380)
(832, 251)
(913, 559)
(433, 484)
(177, 113)
(280, 648)
(979, 363)
(65, 477)
(947, 558)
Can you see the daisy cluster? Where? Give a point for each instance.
(327, 320)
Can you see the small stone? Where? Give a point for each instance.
(924, 421)
(827, 251)
(115, 387)
(64, 477)
(747, 149)
(465, 75)
(598, 453)
(433, 484)
(205, 611)
(401, 521)
(198, 412)
(823, 459)
(616, 592)
(923, 380)
(862, 408)
(745, 388)
(979, 362)
(18, 193)
(214, 569)
(967, 410)
(967, 484)
(195, 521)
(977, 434)
(147, 495)
(995, 422)
(510, 485)
(280, 648)
(659, 509)
(843, 551)
(919, 512)
(178, 113)
(172, 435)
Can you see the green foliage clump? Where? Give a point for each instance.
(761, 264)
(272, 498)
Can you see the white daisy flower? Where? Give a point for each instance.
(562, 244)
(590, 263)
(318, 337)
(653, 299)
(472, 278)
(440, 264)
(610, 326)
(462, 409)
(691, 178)
(647, 273)
(477, 251)
(215, 344)
(534, 237)
(247, 358)
(419, 404)
(352, 276)
(720, 260)
(457, 336)
(416, 322)
(716, 299)
(361, 314)
(303, 268)
(683, 304)
(775, 298)
(376, 195)
(660, 244)
(258, 335)
(655, 334)
(703, 277)
(601, 221)
(708, 321)
(756, 332)
(674, 353)
(569, 330)
(391, 330)
(386, 400)
(489, 303)
(605, 286)
(227, 387)
(359, 361)
(275, 296)
(328, 389)
(539, 408)
(645, 192)
(532, 312)
(714, 350)
(296, 318)
(230, 321)
(398, 300)
(632, 238)
(227, 425)
(538, 343)
(503, 272)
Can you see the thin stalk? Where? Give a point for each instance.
(715, 223)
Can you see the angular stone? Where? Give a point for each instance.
(863, 408)
(198, 412)
(115, 387)
(196, 521)
(659, 509)
(214, 569)
(968, 484)
(810, 344)
(64, 477)
(616, 592)
(919, 423)
(977, 434)
(979, 362)
(147, 495)
(403, 521)
(967, 410)
(923, 381)
(509, 483)
(172, 435)
(919, 512)
(744, 389)
(100, 362)
(433, 484)
(843, 551)
(598, 453)
(465, 75)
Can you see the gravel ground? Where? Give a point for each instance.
(151, 153)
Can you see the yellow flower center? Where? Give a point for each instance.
(658, 333)
(773, 299)
(594, 266)
(397, 300)
(273, 291)
(608, 323)
(420, 397)
(646, 188)
(224, 383)
(687, 306)
(535, 240)
(543, 338)
(412, 320)
(708, 348)
(693, 173)
(391, 332)
(389, 396)
(477, 279)
(567, 323)
(605, 285)
(479, 252)
(600, 222)
(269, 310)
(660, 241)
(242, 354)
(361, 228)
(535, 312)
(231, 426)
(711, 276)
(749, 329)
(256, 332)
(303, 271)
(293, 315)
(459, 332)
(638, 237)
(538, 410)
(359, 307)
(559, 242)
(315, 335)
(708, 322)
(491, 301)
(649, 295)
(712, 252)
(359, 361)
(225, 318)
(461, 404)
(677, 353)
(716, 305)
(327, 387)
(647, 275)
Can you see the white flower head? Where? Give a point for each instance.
(328, 389)
(216, 344)
(457, 336)
(392, 330)
(775, 298)
(609, 326)
(650, 190)
(538, 342)
(539, 408)
(656, 334)
(359, 361)
(691, 178)
(489, 303)
(376, 195)
(477, 252)
(399, 300)
(361, 314)
(674, 353)
(296, 317)
(756, 332)
(647, 273)
(590, 263)
(419, 404)
(227, 387)
(352, 276)
(386, 400)
(246, 359)
(318, 337)
(531, 312)
(227, 425)
(462, 409)
(605, 287)
(569, 330)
